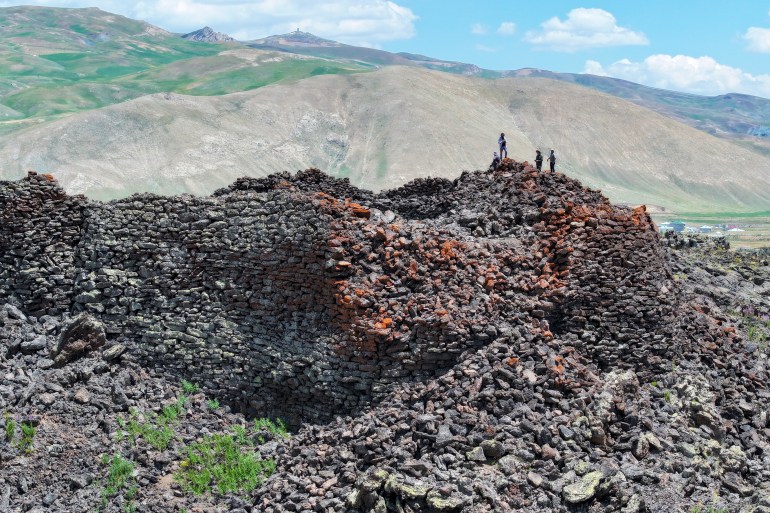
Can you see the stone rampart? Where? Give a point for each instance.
(304, 297)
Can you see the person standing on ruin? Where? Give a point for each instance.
(539, 161)
(552, 161)
(503, 146)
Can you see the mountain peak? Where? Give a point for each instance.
(208, 35)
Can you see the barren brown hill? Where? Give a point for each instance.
(384, 128)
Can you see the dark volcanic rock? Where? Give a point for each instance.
(507, 341)
(80, 336)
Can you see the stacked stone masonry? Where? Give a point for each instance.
(304, 297)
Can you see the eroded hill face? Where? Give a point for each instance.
(508, 341)
(383, 129)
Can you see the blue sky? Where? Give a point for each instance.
(705, 47)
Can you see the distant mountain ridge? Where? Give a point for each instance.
(730, 115)
(306, 43)
(55, 62)
(726, 115)
(295, 39)
(734, 116)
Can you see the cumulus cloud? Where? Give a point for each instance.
(583, 28)
(699, 75)
(507, 28)
(350, 21)
(758, 39)
(478, 29)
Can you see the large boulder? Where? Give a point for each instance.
(79, 337)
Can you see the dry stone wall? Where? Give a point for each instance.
(40, 227)
(304, 297)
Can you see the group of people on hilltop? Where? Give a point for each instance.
(504, 154)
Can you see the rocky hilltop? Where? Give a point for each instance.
(208, 35)
(507, 341)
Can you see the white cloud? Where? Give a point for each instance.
(507, 28)
(350, 21)
(758, 38)
(699, 75)
(478, 29)
(583, 28)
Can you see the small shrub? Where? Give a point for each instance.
(754, 333)
(174, 411)
(240, 435)
(213, 404)
(667, 396)
(131, 492)
(189, 387)
(158, 436)
(711, 509)
(156, 430)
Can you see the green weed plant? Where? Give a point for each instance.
(189, 387)
(225, 463)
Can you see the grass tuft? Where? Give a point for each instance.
(224, 463)
(10, 428)
(277, 429)
(189, 387)
(120, 472)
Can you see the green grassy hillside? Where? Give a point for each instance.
(61, 61)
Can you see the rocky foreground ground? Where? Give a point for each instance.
(505, 342)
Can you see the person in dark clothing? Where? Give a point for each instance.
(539, 161)
(495, 161)
(552, 161)
(503, 146)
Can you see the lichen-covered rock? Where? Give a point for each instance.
(114, 352)
(442, 504)
(584, 489)
(79, 337)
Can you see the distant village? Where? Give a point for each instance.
(681, 227)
